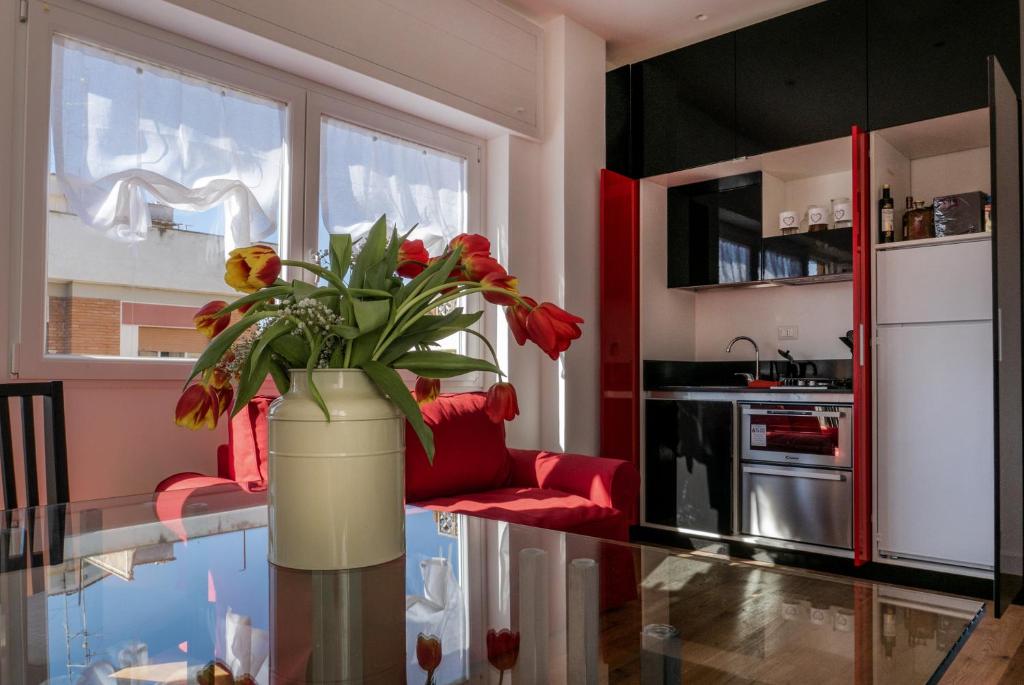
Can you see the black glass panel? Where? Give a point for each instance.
(688, 476)
(809, 254)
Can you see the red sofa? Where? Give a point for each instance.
(473, 473)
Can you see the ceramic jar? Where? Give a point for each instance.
(337, 488)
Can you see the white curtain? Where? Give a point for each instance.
(126, 133)
(733, 262)
(364, 174)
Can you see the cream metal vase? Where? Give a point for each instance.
(336, 488)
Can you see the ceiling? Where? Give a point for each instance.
(638, 29)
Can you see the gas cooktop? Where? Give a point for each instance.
(820, 384)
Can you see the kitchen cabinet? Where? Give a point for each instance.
(941, 282)
(926, 58)
(685, 107)
(618, 140)
(934, 422)
(688, 464)
(948, 335)
(801, 77)
(714, 232)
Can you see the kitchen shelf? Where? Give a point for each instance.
(924, 242)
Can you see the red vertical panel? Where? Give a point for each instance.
(620, 317)
(861, 348)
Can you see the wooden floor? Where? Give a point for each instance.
(994, 654)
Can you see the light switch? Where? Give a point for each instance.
(789, 332)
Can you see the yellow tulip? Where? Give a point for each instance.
(250, 268)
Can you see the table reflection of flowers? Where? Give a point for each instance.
(428, 654)
(502, 650)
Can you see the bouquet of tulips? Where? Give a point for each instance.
(378, 306)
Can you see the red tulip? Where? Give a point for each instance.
(428, 654)
(505, 282)
(471, 243)
(427, 389)
(516, 317)
(502, 649)
(250, 268)
(502, 403)
(477, 266)
(552, 328)
(412, 258)
(207, 322)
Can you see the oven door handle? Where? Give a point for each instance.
(794, 473)
(793, 412)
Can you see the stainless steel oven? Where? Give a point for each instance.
(796, 473)
(809, 435)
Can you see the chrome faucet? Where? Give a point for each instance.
(757, 353)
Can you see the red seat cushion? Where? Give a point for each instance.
(469, 447)
(535, 507)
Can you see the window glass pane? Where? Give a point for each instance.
(364, 173)
(155, 175)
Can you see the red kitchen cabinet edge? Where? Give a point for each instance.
(620, 317)
(862, 335)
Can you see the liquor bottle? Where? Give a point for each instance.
(906, 216)
(886, 216)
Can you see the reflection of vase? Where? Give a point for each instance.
(342, 627)
(336, 488)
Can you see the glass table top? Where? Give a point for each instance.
(104, 592)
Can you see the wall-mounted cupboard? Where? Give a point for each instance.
(780, 216)
(807, 76)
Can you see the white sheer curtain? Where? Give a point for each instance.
(364, 174)
(733, 262)
(126, 133)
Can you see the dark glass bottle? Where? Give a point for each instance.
(886, 216)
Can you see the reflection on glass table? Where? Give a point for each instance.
(130, 599)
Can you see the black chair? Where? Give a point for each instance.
(52, 490)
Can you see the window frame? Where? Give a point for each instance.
(305, 100)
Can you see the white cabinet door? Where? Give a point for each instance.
(934, 461)
(935, 283)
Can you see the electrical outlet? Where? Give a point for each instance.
(789, 332)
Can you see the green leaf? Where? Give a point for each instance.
(442, 364)
(363, 347)
(302, 290)
(220, 344)
(254, 371)
(390, 383)
(341, 253)
(276, 330)
(293, 348)
(258, 296)
(337, 359)
(313, 390)
(419, 284)
(280, 376)
(371, 314)
(345, 332)
(371, 252)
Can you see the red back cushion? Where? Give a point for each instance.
(469, 455)
(247, 441)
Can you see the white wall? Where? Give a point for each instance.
(823, 311)
(566, 242)
(666, 314)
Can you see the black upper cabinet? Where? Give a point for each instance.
(714, 232)
(801, 77)
(684, 106)
(927, 58)
(616, 121)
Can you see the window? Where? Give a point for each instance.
(156, 176)
(159, 156)
(366, 173)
